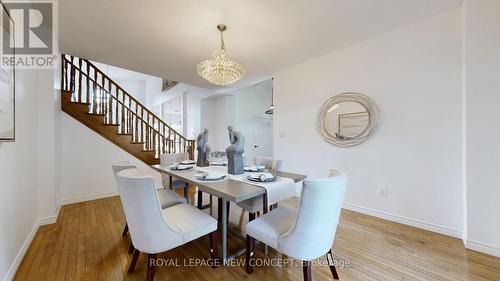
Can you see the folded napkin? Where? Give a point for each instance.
(262, 176)
(187, 162)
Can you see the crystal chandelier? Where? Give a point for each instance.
(221, 69)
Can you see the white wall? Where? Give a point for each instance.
(217, 113)
(136, 88)
(27, 168)
(18, 175)
(251, 120)
(244, 110)
(86, 160)
(482, 27)
(413, 74)
(191, 112)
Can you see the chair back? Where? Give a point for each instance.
(148, 229)
(120, 166)
(270, 163)
(318, 216)
(169, 158)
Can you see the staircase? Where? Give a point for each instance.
(92, 98)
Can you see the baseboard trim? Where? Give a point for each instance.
(20, 255)
(83, 198)
(483, 248)
(405, 220)
(49, 219)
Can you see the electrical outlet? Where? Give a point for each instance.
(384, 192)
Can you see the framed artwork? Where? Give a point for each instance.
(167, 84)
(7, 84)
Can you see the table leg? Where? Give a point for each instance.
(224, 231)
(264, 210)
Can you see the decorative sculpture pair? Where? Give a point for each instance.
(234, 152)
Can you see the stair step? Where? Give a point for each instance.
(99, 114)
(137, 142)
(124, 134)
(148, 150)
(116, 125)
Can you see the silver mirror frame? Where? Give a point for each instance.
(366, 102)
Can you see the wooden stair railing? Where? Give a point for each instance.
(89, 86)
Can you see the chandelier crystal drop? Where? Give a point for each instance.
(221, 69)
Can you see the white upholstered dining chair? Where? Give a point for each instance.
(254, 205)
(307, 233)
(167, 198)
(270, 163)
(168, 181)
(154, 230)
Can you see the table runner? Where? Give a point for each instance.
(276, 191)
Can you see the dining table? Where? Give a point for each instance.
(227, 190)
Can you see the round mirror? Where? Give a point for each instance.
(348, 119)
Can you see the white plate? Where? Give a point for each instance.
(188, 162)
(181, 167)
(254, 168)
(210, 177)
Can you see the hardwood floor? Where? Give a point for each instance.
(86, 244)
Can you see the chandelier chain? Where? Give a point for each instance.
(222, 46)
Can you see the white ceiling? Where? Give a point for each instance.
(168, 38)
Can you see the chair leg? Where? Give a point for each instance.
(200, 199)
(186, 194)
(240, 221)
(331, 264)
(251, 217)
(214, 251)
(228, 204)
(306, 265)
(219, 210)
(249, 254)
(133, 262)
(151, 267)
(125, 230)
(131, 248)
(211, 205)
